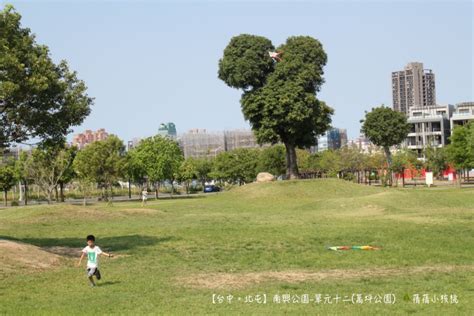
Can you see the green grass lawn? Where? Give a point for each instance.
(260, 239)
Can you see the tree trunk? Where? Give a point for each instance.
(403, 177)
(5, 197)
(388, 154)
(56, 194)
(50, 195)
(26, 193)
(291, 163)
(61, 191)
(129, 189)
(157, 187)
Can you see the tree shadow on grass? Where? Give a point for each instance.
(107, 283)
(112, 243)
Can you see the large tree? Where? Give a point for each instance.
(279, 97)
(101, 162)
(187, 172)
(38, 98)
(160, 159)
(460, 151)
(48, 166)
(385, 128)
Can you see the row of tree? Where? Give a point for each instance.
(102, 164)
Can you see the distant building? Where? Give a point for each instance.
(413, 87)
(82, 139)
(362, 143)
(199, 143)
(11, 153)
(334, 138)
(430, 126)
(133, 143)
(462, 114)
(239, 139)
(167, 130)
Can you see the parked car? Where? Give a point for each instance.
(211, 188)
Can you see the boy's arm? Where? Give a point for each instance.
(106, 254)
(80, 260)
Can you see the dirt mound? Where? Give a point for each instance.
(242, 280)
(64, 251)
(16, 255)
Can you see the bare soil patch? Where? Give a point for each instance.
(141, 211)
(17, 255)
(242, 280)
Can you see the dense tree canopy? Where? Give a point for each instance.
(159, 159)
(272, 160)
(236, 166)
(279, 98)
(38, 99)
(385, 127)
(461, 149)
(101, 162)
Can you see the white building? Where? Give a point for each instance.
(463, 113)
(430, 126)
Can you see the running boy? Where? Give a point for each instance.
(92, 252)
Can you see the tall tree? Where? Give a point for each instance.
(133, 171)
(101, 162)
(22, 175)
(187, 172)
(160, 159)
(279, 98)
(460, 151)
(38, 99)
(47, 166)
(436, 160)
(7, 180)
(385, 127)
(203, 169)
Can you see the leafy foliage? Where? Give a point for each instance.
(461, 150)
(385, 127)
(49, 165)
(7, 179)
(236, 166)
(37, 97)
(279, 99)
(101, 162)
(159, 158)
(272, 160)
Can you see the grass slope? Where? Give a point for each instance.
(258, 239)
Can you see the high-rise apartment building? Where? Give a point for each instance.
(413, 87)
(82, 139)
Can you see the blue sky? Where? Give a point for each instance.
(149, 62)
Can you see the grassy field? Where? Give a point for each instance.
(175, 256)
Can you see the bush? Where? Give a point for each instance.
(15, 203)
(349, 177)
